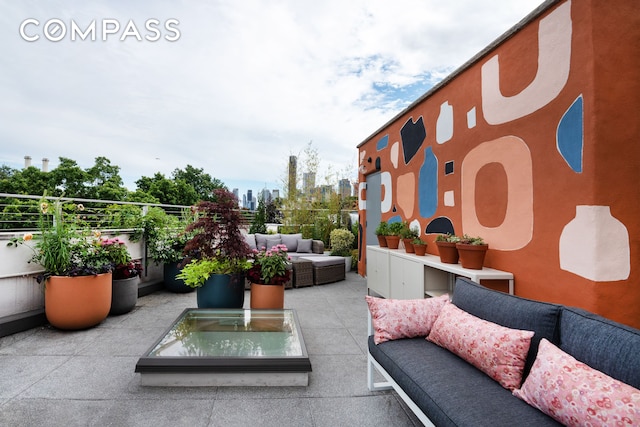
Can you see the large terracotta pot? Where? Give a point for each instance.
(393, 242)
(124, 295)
(472, 256)
(222, 291)
(448, 252)
(267, 296)
(172, 283)
(77, 302)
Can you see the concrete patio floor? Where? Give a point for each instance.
(86, 378)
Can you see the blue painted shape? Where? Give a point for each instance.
(393, 219)
(428, 184)
(382, 143)
(570, 135)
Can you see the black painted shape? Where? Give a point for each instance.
(360, 234)
(394, 208)
(413, 135)
(378, 163)
(440, 225)
(448, 168)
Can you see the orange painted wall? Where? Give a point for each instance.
(544, 134)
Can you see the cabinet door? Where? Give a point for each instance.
(378, 271)
(406, 278)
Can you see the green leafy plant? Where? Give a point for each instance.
(418, 241)
(62, 248)
(468, 240)
(451, 238)
(196, 273)
(395, 229)
(270, 266)
(382, 229)
(408, 232)
(341, 242)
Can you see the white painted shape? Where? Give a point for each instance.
(554, 61)
(471, 118)
(595, 245)
(415, 224)
(444, 124)
(385, 182)
(362, 202)
(449, 199)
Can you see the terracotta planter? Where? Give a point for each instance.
(393, 242)
(77, 302)
(472, 256)
(408, 246)
(382, 241)
(448, 252)
(267, 296)
(222, 291)
(420, 250)
(124, 295)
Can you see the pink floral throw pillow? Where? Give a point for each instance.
(497, 351)
(396, 318)
(576, 394)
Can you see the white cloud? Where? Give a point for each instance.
(247, 84)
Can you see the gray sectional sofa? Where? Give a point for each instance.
(444, 390)
(296, 245)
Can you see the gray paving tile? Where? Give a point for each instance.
(357, 411)
(18, 373)
(262, 413)
(157, 413)
(52, 413)
(330, 341)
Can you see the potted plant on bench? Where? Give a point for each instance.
(381, 231)
(446, 244)
(408, 234)
(472, 251)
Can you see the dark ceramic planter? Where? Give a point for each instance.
(222, 291)
(172, 283)
(124, 295)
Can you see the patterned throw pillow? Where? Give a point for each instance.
(497, 351)
(576, 394)
(396, 318)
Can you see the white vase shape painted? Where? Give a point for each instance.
(595, 245)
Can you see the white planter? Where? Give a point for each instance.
(347, 264)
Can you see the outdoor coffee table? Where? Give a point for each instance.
(228, 347)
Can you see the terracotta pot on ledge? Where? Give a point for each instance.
(393, 242)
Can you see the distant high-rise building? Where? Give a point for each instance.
(275, 193)
(244, 201)
(236, 193)
(308, 183)
(266, 195)
(250, 200)
(344, 188)
(293, 177)
(325, 192)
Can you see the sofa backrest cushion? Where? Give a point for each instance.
(251, 240)
(291, 241)
(511, 311)
(603, 344)
(261, 240)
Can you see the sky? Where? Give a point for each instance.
(232, 87)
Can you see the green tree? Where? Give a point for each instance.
(202, 183)
(104, 181)
(68, 179)
(258, 225)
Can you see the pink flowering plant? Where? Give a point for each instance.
(270, 266)
(118, 254)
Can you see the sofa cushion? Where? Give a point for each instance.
(497, 351)
(450, 391)
(510, 311)
(273, 241)
(576, 394)
(261, 239)
(601, 343)
(251, 241)
(304, 246)
(291, 241)
(393, 319)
